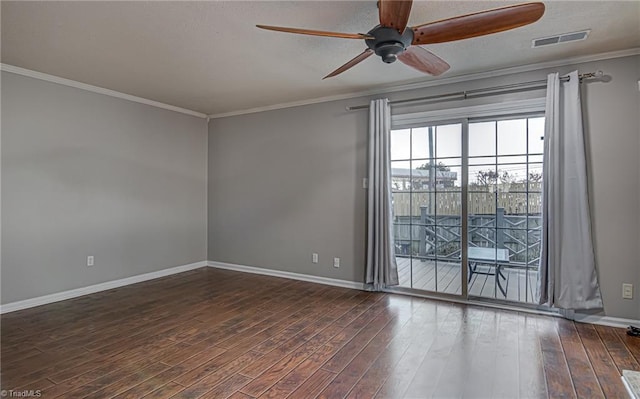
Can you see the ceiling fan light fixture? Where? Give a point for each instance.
(388, 43)
(389, 51)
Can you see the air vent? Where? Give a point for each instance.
(563, 38)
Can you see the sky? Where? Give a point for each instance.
(508, 139)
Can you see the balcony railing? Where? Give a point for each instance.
(439, 237)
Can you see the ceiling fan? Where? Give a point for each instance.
(392, 39)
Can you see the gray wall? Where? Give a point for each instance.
(286, 183)
(87, 174)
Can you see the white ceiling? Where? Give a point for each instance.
(209, 57)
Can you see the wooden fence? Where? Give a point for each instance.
(512, 198)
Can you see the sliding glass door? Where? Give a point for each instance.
(505, 200)
(467, 206)
(426, 170)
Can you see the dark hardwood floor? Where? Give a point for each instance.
(213, 333)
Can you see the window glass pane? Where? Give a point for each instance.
(432, 175)
(449, 248)
(423, 276)
(421, 175)
(512, 137)
(482, 237)
(512, 159)
(534, 240)
(450, 178)
(401, 144)
(401, 206)
(483, 178)
(512, 177)
(482, 138)
(482, 208)
(535, 158)
(449, 206)
(400, 175)
(513, 204)
(535, 178)
(402, 238)
(482, 161)
(449, 141)
(421, 147)
(534, 207)
(424, 208)
(536, 135)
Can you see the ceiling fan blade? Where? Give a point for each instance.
(359, 58)
(477, 24)
(424, 61)
(316, 32)
(394, 13)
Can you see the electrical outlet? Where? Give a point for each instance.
(627, 291)
(90, 260)
(336, 262)
(314, 257)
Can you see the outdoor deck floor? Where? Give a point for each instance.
(449, 280)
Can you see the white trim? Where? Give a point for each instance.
(96, 89)
(438, 82)
(290, 275)
(61, 296)
(605, 320)
(501, 109)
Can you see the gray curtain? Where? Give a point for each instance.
(382, 270)
(567, 275)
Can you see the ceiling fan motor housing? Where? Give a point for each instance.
(388, 43)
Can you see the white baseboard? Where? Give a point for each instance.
(61, 296)
(605, 320)
(290, 275)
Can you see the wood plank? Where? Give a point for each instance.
(240, 395)
(214, 388)
(407, 366)
(632, 343)
(349, 376)
(132, 379)
(150, 385)
(531, 367)
(619, 352)
(281, 368)
(309, 366)
(602, 362)
(483, 357)
(165, 391)
(584, 378)
(556, 369)
(313, 385)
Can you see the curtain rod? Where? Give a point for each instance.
(524, 86)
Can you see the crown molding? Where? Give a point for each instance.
(439, 82)
(96, 89)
